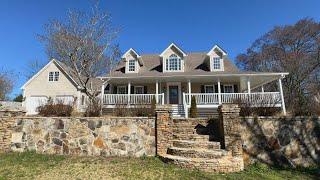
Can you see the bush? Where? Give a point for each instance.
(263, 108)
(193, 108)
(153, 106)
(55, 109)
(93, 108)
(143, 110)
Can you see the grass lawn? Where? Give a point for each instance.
(30, 165)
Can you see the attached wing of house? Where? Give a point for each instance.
(174, 76)
(56, 81)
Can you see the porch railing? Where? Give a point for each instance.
(113, 99)
(259, 98)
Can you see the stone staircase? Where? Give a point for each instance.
(177, 110)
(192, 147)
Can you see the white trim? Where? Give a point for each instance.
(45, 67)
(135, 66)
(178, 58)
(224, 87)
(37, 74)
(179, 90)
(217, 47)
(282, 97)
(130, 50)
(172, 44)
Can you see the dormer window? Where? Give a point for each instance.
(217, 56)
(216, 63)
(173, 63)
(132, 65)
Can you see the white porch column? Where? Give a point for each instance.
(282, 98)
(189, 91)
(219, 92)
(262, 88)
(157, 92)
(129, 91)
(249, 85)
(102, 93)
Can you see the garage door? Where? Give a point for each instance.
(33, 102)
(65, 99)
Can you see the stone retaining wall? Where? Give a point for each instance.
(293, 141)
(84, 136)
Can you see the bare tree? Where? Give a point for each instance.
(294, 49)
(6, 84)
(85, 43)
(33, 67)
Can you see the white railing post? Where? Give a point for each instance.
(185, 105)
(157, 92)
(282, 97)
(189, 91)
(219, 92)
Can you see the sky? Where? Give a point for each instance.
(149, 26)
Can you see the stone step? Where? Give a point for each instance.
(194, 137)
(197, 153)
(192, 130)
(223, 164)
(195, 144)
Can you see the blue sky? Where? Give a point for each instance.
(150, 26)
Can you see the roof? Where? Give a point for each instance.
(71, 75)
(194, 65)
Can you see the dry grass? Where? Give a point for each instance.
(30, 165)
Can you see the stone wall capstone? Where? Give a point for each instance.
(101, 136)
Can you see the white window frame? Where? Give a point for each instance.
(118, 89)
(135, 89)
(216, 61)
(53, 76)
(205, 90)
(170, 66)
(228, 85)
(212, 63)
(130, 65)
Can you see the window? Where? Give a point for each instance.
(82, 99)
(139, 90)
(228, 89)
(209, 89)
(132, 65)
(173, 63)
(54, 76)
(122, 89)
(216, 63)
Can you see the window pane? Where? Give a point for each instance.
(139, 89)
(132, 64)
(216, 63)
(50, 76)
(174, 63)
(228, 89)
(209, 89)
(122, 90)
(56, 76)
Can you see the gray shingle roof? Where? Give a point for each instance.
(194, 65)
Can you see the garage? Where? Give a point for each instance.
(33, 102)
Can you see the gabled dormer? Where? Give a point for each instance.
(216, 56)
(173, 59)
(133, 62)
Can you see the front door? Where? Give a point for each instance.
(174, 94)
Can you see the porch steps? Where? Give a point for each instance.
(191, 147)
(177, 110)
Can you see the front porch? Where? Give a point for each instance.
(209, 92)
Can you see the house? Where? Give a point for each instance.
(58, 82)
(174, 76)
